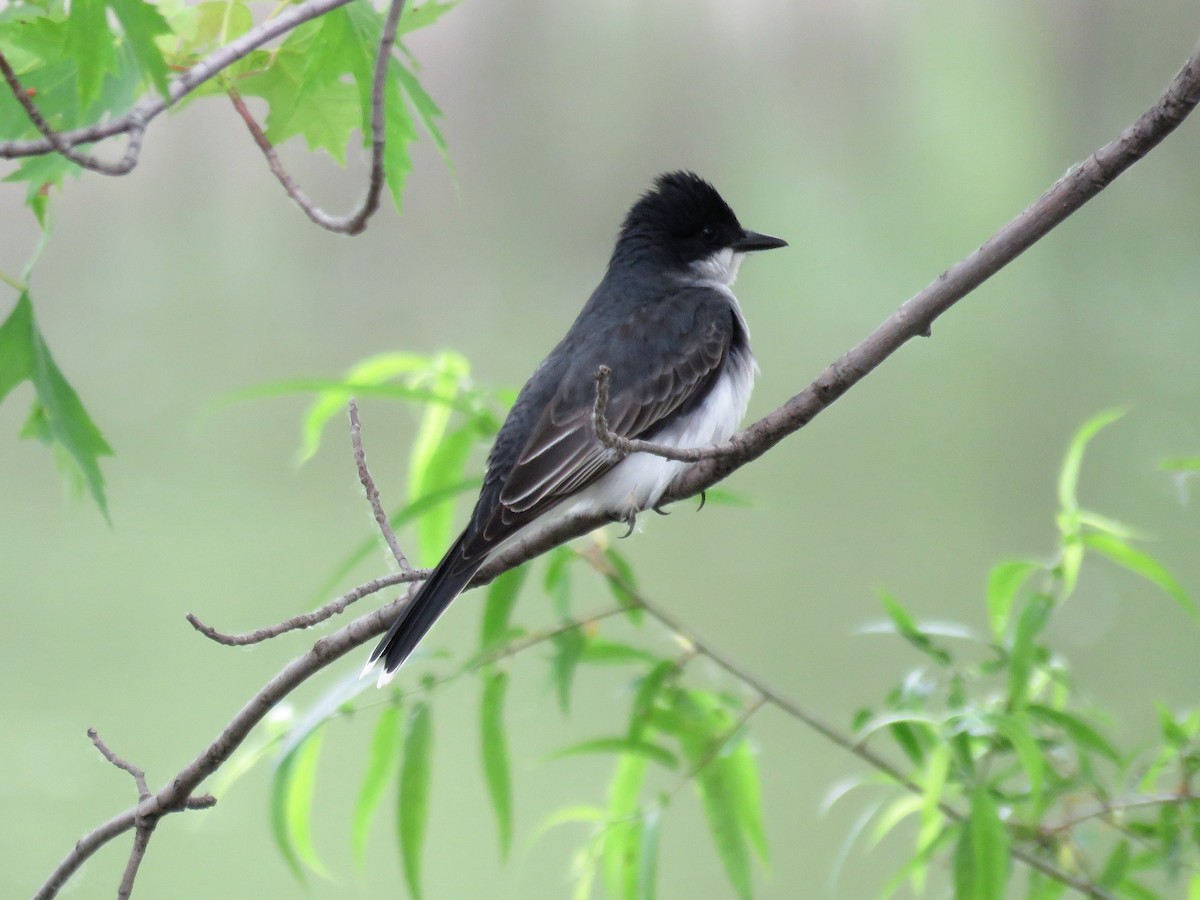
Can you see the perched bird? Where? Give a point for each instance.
(666, 323)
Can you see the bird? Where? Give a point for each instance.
(667, 325)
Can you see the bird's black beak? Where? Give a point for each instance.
(752, 240)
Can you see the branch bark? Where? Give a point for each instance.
(913, 318)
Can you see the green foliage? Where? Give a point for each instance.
(412, 803)
(58, 417)
(89, 60)
(1007, 757)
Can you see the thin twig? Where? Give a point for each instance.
(139, 777)
(625, 446)
(123, 166)
(368, 483)
(140, 117)
(356, 221)
(141, 840)
(914, 318)
(307, 620)
(1112, 809)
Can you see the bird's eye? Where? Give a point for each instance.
(709, 234)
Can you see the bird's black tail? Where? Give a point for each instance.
(444, 584)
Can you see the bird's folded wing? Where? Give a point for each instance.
(647, 390)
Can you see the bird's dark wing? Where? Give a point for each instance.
(664, 359)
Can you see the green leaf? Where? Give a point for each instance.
(1143, 564)
(1034, 615)
(1116, 866)
(621, 847)
(614, 653)
(896, 812)
(557, 580)
(911, 631)
(1068, 478)
(413, 805)
(426, 108)
(647, 693)
(981, 859)
(726, 826)
(1018, 731)
(90, 44)
(621, 745)
(422, 16)
(742, 770)
(1180, 464)
(1004, 582)
(568, 650)
(367, 24)
(435, 529)
(385, 750)
(494, 744)
(933, 786)
(623, 584)
(1084, 735)
(142, 23)
(58, 415)
(647, 883)
(292, 785)
(497, 610)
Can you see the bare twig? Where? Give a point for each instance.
(306, 620)
(139, 777)
(914, 318)
(368, 483)
(123, 166)
(354, 222)
(1114, 809)
(141, 840)
(610, 438)
(144, 113)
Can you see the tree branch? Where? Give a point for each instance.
(141, 116)
(306, 620)
(913, 318)
(356, 221)
(123, 166)
(368, 483)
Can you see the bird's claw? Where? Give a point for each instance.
(703, 497)
(662, 512)
(630, 519)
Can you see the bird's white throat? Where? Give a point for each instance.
(721, 267)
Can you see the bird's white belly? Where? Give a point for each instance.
(639, 481)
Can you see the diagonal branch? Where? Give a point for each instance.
(915, 317)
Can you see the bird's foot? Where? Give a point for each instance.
(629, 519)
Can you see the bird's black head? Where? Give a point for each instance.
(682, 222)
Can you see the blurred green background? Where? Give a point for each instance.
(884, 140)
